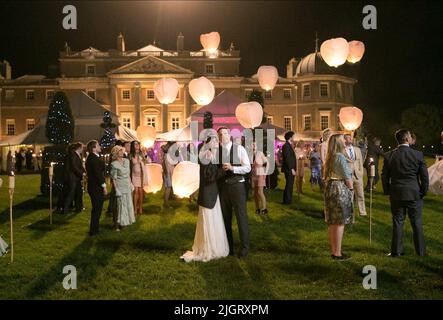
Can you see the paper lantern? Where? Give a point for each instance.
(356, 51)
(249, 114)
(267, 77)
(185, 178)
(350, 118)
(210, 42)
(335, 51)
(146, 135)
(436, 178)
(202, 91)
(166, 90)
(155, 178)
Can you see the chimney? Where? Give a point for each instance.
(67, 49)
(180, 42)
(121, 43)
(5, 70)
(290, 68)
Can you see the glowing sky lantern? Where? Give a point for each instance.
(356, 51)
(155, 178)
(249, 114)
(210, 42)
(351, 118)
(335, 51)
(202, 91)
(267, 77)
(146, 135)
(185, 178)
(166, 90)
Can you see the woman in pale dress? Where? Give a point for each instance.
(210, 240)
(120, 174)
(138, 175)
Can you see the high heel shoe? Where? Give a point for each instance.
(257, 212)
(264, 211)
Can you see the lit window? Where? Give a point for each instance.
(30, 124)
(126, 94)
(91, 93)
(306, 90)
(10, 127)
(150, 95)
(175, 123)
(288, 123)
(151, 121)
(9, 95)
(324, 121)
(307, 121)
(324, 89)
(49, 95)
(287, 93)
(339, 91)
(127, 121)
(90, 69)
(209, 68)
(268, 95)
(270, 119)
(247, 93)
(30, 96)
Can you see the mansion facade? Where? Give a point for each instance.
(307, 100)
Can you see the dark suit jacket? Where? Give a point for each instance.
(374, 152)
(96, 174)
(404, 175)
(73, 167)
(208, 188)
(289, 161)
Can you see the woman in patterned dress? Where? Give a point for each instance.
(338, 194)
(137, 161)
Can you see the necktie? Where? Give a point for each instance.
(351, 154)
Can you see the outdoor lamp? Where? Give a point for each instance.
(335, 51)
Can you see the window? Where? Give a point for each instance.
(175, 122)
(127, 120)
(339, 91)
(10, 127)
(209, 68)
(30, 96)
(30, 124)
(247, 93)
(91, 93)
(270, 119)
(307, 121)
(324, 89)
(324, 120)
(90, 69)
(49, 95)
(288, 123)
(151, 121)
(9, 95)
(287, 93)
(126, 94)
(150, 95)
(306, 90)
(268, 95)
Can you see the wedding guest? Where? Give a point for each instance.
(9, 163)
(338, 194)
(258, 178)
(413, 143)
(405, 179)
(355, 159)
(374, 153)
(95, 169)
(168, 168)
(121, 180)
(362, 144)
(288, 167)
(324, 144)
(18, 161)
(300, 157)
(74, 173)
(315, 165)
(127, 149)
(138, 175)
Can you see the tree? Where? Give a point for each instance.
(425, 121)
(107, 141)
(258, 97)
(60, 122)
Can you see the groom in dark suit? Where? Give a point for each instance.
(288, 167)
(95, 168)
(234, 161)
(405, 179)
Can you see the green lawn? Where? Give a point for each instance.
(289, 256)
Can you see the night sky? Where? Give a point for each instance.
(402, 65)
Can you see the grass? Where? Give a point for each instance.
(289, 256)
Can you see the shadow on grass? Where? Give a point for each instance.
(26, 207)
(42, 226)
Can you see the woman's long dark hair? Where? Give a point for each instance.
(132, 152)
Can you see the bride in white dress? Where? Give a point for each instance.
(210, 241)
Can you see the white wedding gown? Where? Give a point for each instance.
(3, 247)
(210, 241)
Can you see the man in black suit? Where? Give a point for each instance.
(96, 184)
(405, 179)
(288, 167)
(374, 152)
(74, 173)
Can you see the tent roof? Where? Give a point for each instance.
(223, 105)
